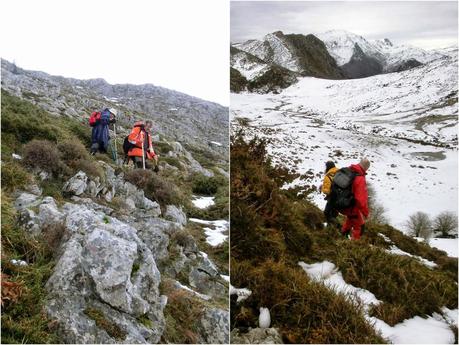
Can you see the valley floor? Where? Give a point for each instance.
(407, 176)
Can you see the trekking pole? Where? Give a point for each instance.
(143, 153)
(116, 149)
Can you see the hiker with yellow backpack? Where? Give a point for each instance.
(138, 146)
(329, 211)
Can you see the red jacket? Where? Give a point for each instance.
(359, 189)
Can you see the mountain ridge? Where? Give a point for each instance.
(347, 55)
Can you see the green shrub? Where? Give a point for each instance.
(26, 121)
(205, 185)
(162, 147)
(155, 187)
(175, 162)
(42, 154)
(90, 167)
(14, 176)
(182, 313)
(404, 284)
(72, 150)
(53, 188)
(304, 311)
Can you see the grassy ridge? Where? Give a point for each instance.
(272, 229)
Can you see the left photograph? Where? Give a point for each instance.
(114, 172)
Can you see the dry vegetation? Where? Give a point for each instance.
(272, 229)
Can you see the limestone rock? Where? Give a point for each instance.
(26, 200)
(175, 214)
(215, 326)
(256, 336)
(77, 184)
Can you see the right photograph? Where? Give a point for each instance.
(344, 172)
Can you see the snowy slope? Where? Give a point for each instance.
(273, 49)
(401, 121)
(247, 66)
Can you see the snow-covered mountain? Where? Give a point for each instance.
(405, 122)
(342, 46)
(303, 54)
(334, 54)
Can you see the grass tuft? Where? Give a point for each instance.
(112, 329)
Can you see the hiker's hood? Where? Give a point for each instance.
(139, 124)
(358, 169)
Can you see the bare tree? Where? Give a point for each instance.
(377, 210)
(419, 225)
(445, 224)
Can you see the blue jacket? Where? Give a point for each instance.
(100, 132)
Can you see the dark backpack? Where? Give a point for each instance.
(341, 196)
(127, 146)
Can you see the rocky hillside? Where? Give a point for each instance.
(180, 117)
(308, 284)
(94, 251)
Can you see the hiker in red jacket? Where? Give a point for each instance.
(357, 214)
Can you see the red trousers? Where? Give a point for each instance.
(353, 224)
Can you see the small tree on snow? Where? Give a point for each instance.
(445, 224)
(377, 210)
(419, 225)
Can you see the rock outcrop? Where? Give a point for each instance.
(105, 287)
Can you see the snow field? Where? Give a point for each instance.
(317, 120)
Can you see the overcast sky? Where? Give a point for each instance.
(426, 25)
(181, 45)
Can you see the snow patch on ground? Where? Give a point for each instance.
(451, 316)
(449, 245)
(241, 293)
(200, 295)
(216, 233)
(203, 202)
(327, 273)
(387, 239)
(397, 251)
(417, 330)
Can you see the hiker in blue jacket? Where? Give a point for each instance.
(100, 135)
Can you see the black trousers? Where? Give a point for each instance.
(330, 213)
